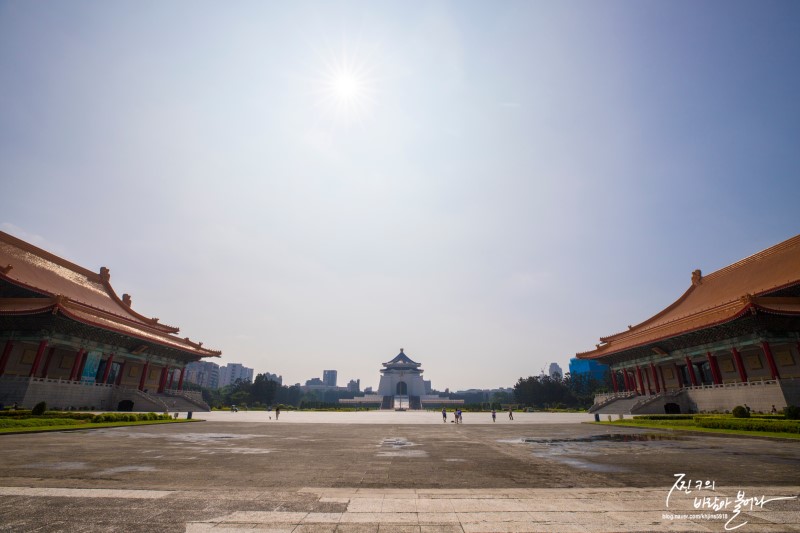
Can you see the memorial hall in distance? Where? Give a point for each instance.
(67, 339)
(402, 387)
(733, 338)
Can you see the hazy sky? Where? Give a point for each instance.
(313, 185)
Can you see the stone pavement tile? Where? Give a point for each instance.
(654, 521)
(776, 517)
(425, 505)
(178, 515)
(510, 527)
(542, 505)
(441, 528)
(475, 505)
(326, 518)
(314, 506)
(365, 505)
(357, 528)
(326, 499)
(315, 528)
(264, 517)
(234, 505)
(398, 518)
(495, 517)
(447, 493)
(360, 518)
(399, 505)
(586, 504)
(437, 518)
(395, 528)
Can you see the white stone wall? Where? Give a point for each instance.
(389, 381)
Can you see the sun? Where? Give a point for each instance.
(346, 84)
(346, 87)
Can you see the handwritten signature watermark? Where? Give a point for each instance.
(723, 507)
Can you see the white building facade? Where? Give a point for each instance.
(229, 373)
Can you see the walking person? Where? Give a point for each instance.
(494, 415)
(444, 415)
(458, 417)
(510, 413)
(277, 413)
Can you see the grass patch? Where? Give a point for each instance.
(25, 422)
(689, 425)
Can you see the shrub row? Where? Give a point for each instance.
(749, 424)
(664, 417)
(128, 417)
(37, 422)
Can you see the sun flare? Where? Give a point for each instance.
(346, 85)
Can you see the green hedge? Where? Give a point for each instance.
(750, 424)
(38, 422)
(128, 417)
(664, 417)
(15, 413)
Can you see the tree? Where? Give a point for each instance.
(264, 390)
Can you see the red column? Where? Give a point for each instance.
(655, 377)
(737, 358)
(641, 381)
(171, 378)
(180, 380)
(690, 371)
(144, 375)
(38, 360)
(73, 374)
(47, 361)
(613, 374)
(121, 371)
(678, 374)
(107, 370)
(84, 359)
(663, 381)
(712, 364)
(162, 380)
(772, 366)
(4, 359)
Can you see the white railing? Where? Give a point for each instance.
(193, 397)
(760, 383)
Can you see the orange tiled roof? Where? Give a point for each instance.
(717, 298)
(79, 293)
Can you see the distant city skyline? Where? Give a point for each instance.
(313, 185)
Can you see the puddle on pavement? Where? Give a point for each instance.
(609, 437)
(64, 465)
(578, 452)
(399, 447)
(123, 469)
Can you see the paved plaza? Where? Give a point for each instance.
(377, 472)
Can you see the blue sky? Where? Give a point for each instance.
(509, 182)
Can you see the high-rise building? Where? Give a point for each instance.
(555, 369)
(203, 373)
(354, 385)
(229, 373)
(274, 377)
(329, 378)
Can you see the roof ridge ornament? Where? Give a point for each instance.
(105, 274)
(126, 299)
(697, 277)
(6, 269)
